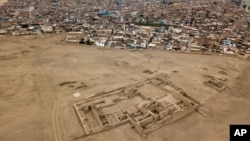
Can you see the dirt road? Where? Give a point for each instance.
(34, 106)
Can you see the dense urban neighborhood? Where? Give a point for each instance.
(187, 26)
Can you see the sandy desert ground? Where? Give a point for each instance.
(2, 1)
(34, 107)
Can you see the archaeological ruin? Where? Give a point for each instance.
(146, 106)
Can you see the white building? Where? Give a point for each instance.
(47, 28)
(101, 43)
